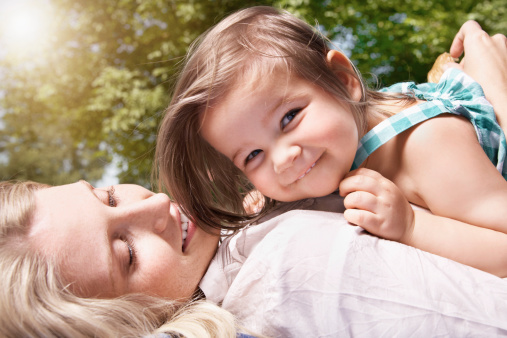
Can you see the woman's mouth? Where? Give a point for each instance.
(184, 227)
(188, 230)
(309, 169)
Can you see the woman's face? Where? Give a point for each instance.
(118, 240)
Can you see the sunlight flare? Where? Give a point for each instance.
(26, 26)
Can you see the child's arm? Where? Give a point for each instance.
(478, 247)
(378, 205)
(444, 168)
(451, 175)
(486, 61)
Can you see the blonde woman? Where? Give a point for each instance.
(49, 239)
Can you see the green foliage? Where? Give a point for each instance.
(399, 40)
(99, 85)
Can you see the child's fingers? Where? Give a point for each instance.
(361, 200)
(362, 180)
(358, 183)
(365, 172)
(365, 219)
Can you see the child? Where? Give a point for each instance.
(262, 101)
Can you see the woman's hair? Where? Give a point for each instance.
(256, 40)
(36, 302)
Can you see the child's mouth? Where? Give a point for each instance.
(309, 169)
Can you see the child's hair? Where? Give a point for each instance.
(255, 40)
(35, 301)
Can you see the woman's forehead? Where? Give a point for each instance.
(66, 228)
(59, 212)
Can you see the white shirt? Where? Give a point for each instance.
(310, 273)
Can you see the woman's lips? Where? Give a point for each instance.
(190, 233)
(187, 230)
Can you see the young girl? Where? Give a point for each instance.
(263, 102)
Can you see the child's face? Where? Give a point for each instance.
(292, 139)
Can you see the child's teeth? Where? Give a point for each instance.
(300, 177)
(184, 219)
(184, 235)
(184, 226)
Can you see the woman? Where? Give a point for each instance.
(83, 261)
(58, 279)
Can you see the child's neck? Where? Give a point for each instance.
(376, 114)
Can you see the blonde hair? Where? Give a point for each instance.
(256, 40)
(35, 301)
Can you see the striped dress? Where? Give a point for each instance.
(456, 93)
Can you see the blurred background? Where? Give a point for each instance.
(84, 83)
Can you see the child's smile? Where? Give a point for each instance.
(309, 169)
(291, 138)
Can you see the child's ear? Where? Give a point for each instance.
(342, 67)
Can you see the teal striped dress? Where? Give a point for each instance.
(456, 93)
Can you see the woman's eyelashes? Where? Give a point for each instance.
(111, 197)
(288, 117)
(131, 251)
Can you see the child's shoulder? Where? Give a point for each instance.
(429, 145)
(443, 128)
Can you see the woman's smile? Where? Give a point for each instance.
(139, 243)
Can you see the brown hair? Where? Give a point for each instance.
(36, 302)
(256, 40)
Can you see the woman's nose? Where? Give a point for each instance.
(152, 212)
(284, 157)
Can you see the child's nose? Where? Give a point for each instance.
(284, 157)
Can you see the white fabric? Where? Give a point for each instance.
(310, 274)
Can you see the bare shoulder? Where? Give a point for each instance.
(451, 173)
(428, 151)
(438, 146)
(439, 131)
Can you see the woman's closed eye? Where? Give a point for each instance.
(131, 251)
(288, 117)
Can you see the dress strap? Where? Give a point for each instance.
(394, 125)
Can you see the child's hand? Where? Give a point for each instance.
(376, 204)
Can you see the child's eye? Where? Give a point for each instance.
(288, 117)
(111, 197)
(252, 155)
